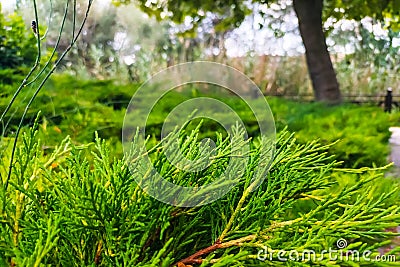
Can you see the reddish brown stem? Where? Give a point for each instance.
(195, 258)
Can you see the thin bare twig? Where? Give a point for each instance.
(56, 64)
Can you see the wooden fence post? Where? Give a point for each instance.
(388, 100)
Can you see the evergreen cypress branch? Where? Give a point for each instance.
(104, 218)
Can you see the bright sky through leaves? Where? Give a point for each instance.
(248, 38)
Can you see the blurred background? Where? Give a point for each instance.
(123, 43)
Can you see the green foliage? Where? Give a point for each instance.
(233, 12)
(11, 77)
(228, 15)
(90, 106)
(372, 65)
(361, 132)
(388, 11)
(17, 43)
(67, 209)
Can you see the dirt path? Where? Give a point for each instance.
(394, 143)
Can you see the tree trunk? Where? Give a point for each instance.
(322, 74)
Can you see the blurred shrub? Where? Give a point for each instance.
(17, 43)
(362, 132)
(79, 108)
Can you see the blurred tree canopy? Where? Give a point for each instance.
(311, 15)
(236, 10)
(382, 10)
(17, 43)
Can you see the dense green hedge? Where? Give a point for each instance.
(17, 42)
(79, 108)
(361, 132)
